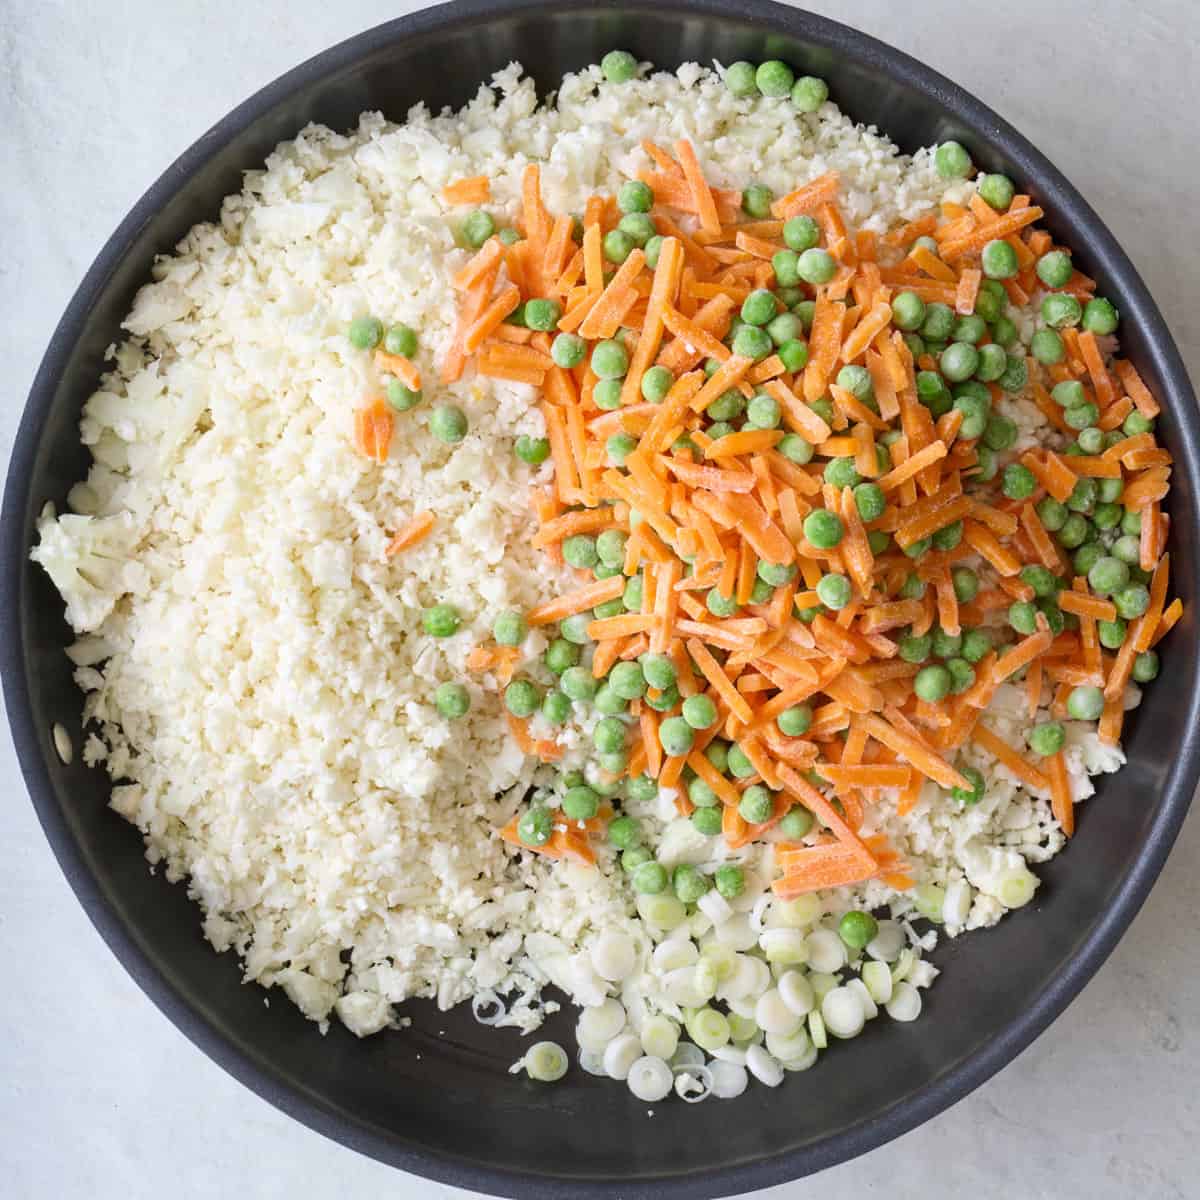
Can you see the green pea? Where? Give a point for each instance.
(1111, 633)
(919, 547)
(785, 328)
(908, 311)
(774, 78)
(1022, 616)
(1136, 424)
(619, 66)
(1046, 739)
(707, 821)
(1131, 523)
(579, 550)
(718, 429)
(441, 620)
(1053, 614)
(1047, 347)
(581, 804)
(795, 721)
(834, 591)
(952, 161)
(1054, 268)
(448, 423)
(574, 629)
(1080, 416)
(1086, 557)
(1091, 440)
(801, 233)
(973, 794)
(878, 541)
(578, 683)
(816, 266)
(1004, 332)
(653, 249)
(477, 227)
(932, 683)
(365, 332)
(568, 350)
(870, 501)
(608, 703)
(761, 592)
(823, 529)
(631, 598)
(948, 536)
(797, 823)
(1085, 703)
(617, 245)
(717, 753)
(752, 342)
(915, 648)
(560, 655)
(727, 406)
(975, 413)
(740, 79)
(999, 260)
(638, 227)
(1018, 482)
(976, 644)
(763, 412)
(776, 574)
(627, 680)
(988, 304)
(1000, 433)
(1145, 667)
(659, 671)
(786, 265)
(1051, 513)
(1110, 490)
(666, 700)
(823, 407)
(993, 362)
(1100, 316)
(793, 354)
(946, 645)
(1016, 374)
(634, 196)
(688, 884)
(720, 605)
(966, 584)
(938, 323)
(619, 447)
(997, 190)
(509, 629)
(522, 698)
(624, 832)
(1132, 601)
(656, 383)
(841, 473)
(676, 736)
(740, 765)
(809, 93)
(401, 397)
(756, 805)
(610, 360)
(642, 789)
(756, 201)
(1083, 496)
(1043, 582)
(452, 700)
(1128, 549)
(1060, 310)
(535, 826)
(1074, 531)
(1107, 516)
(400, 339)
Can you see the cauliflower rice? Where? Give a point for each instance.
(257, 683)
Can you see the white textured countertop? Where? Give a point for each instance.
(100, 1097)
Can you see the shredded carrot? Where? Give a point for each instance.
(476, 190)
(410, 533)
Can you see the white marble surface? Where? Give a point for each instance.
(99, 1095)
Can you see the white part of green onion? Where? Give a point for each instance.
(592, 1063)
(826, 951)
(796, 914)
(679, 986)
(714, 906)
(957, 903)
(797, 993)
(686, 1055)
(693, 1085)
(705, 978)
(822, 983)
(723, 959)
(736, 933)
(650, 1079)
(843, 1013)
(773, 1016)
(546, 1062)
(599, 1025)
(903, 964)
(888, 941)
(1014, 888)
(673, 953)
(787, 1047)
(709, 1029)
(620, 1054)
(750, 977)
(930, 899)
(733, 1054)
(905, 1004)
(860, 989)
(764, 1067)
(729, 1080)
(743, 1008)
(788, 946)
(743, 1029)
(816, 1029)
(661, 911)
(877, 977)
(803, 1061)
(660, 1037)
(614, 955)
